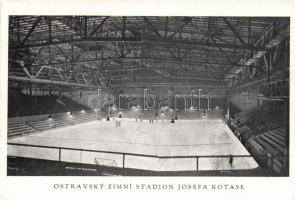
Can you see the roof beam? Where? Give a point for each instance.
(85, 26)
(172, 42)
(152, 26)
(124, 27)
(179, 29)
(98, 26)
(161, 77)
(31, 30)
(166, 27)
(175, 70)
(52, 82)
(267, 30)
(145, 58)
(221, 50)
(133, 31)
(234, 31)
(171, 84)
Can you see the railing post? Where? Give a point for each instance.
(197, 163)
(59, 154)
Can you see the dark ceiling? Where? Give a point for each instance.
(102, 51)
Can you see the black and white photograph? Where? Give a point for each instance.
(148, 95)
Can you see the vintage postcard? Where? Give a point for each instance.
(144, 100)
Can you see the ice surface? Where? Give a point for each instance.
(184, 138)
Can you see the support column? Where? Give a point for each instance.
(199, 99)
(35, 95)
(227, 107)
(31, 100)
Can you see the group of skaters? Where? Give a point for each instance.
(109, 116)
(156, 117)
(138, 118)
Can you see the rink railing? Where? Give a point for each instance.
(132, 160)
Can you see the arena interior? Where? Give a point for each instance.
(148, 96)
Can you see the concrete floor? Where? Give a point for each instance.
(184, 138)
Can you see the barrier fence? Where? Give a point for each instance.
(132, 160)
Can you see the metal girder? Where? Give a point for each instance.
(124, 27)
(160, 77)
(239, 57)
(175, 70)
(152, 26)
(133, 31)
(26, 71)
(98, 26)
(256, 43)
(234, 31)
(169, 85)
(49, 29)
(46, 81)
(250, 84)
(279, 89)
(227, 43)
(268, 69)
(172, 42)
(144, 58)
(85, 26)
(179, 29)
(31, 30)
(166, 27)
(40, 70)
(221, 50)
(211, 56)
(249, 31)
(82, 40)
(204, 43)
(68, 21)
(172, 54)
(192, 62)
(188, 51)
(18, 30)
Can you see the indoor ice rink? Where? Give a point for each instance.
(190, 138)
(148, 95)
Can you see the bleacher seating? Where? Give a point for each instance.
(58, 120)
(256, 147)
(47, 124)
(19, 129)
(266, 133)
(40, 105)
(80, 118)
